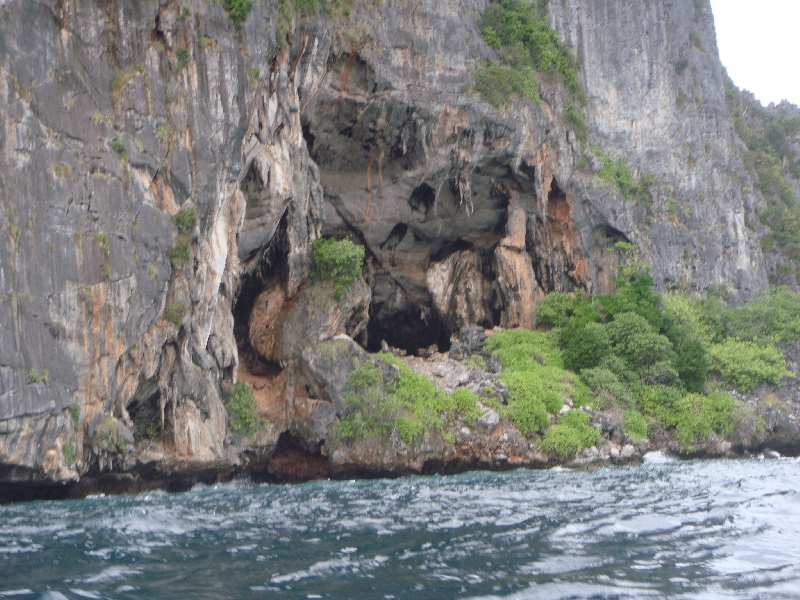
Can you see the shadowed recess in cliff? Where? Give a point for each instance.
(402, 319)
(269, 270)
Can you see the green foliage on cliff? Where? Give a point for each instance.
(533, 369)
(744, 365)
(497, 84)
(526, 45)
(185, 221)
(410, 403)
(570, 434)
(240, 403)
(635, 425)
(340, 261)
(238, 10)
(174, 313)
(668, 358)
(618, 174)
(772, 160)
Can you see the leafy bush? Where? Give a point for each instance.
(584, 346)
(607, 388)
(772, 316)
(238, 10)
(338, 260)
(571, 434)
(635, 425)
(410, 403)
(498, 84)
(519, 30)
(533, 370)
(619, 175)
(526, 401)
(68, 450)
(640, 346)
(465, 402)
(174, 313)
(183, 58)
(240, 403)
(185, 221)
(117, 145)
(745, 364)
(699, 416)
(559, 309)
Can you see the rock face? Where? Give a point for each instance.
(113, 116)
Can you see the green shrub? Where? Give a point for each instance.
(466, 403)
(498, 84)
(607, 388)
(174, 313)
(521, 346)
(526, 402)
(240, 403)
(681, 65)
(558, 309)
(238, 10)
(68, 450)
(571, 434)
(635, 425)
(634, 293)
(772, 316)
(639, 345)
(585, 345)
(75, 415)
(117, 145)
(699, 416)
(744, 365)
(185, 220)
(183, 58)
(520, 32)
(618, 174)
(410, 403)
(340, 261)
(34, 376)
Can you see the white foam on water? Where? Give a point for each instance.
(12, 593)
(658, 457)
(85, 593)
(112, 573)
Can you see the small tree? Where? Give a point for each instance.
(338, 260)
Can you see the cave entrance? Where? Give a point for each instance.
(403, 321)
(267, 270)
(145, 410)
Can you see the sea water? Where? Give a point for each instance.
(701, 529)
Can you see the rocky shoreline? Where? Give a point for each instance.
(309, 450)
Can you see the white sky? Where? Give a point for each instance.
(759, 44)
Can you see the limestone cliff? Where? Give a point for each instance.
(119, 331)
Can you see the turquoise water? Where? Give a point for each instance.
(705, 529)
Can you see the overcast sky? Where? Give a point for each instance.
(759, 44)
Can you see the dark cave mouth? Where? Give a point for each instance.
(411, 330)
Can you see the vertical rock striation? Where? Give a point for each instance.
(118, 334)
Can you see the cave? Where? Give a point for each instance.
(422, 198)
(270, 267)
(144, 409)
(394, 238)
(404, 322)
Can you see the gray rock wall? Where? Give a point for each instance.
(115, 115)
